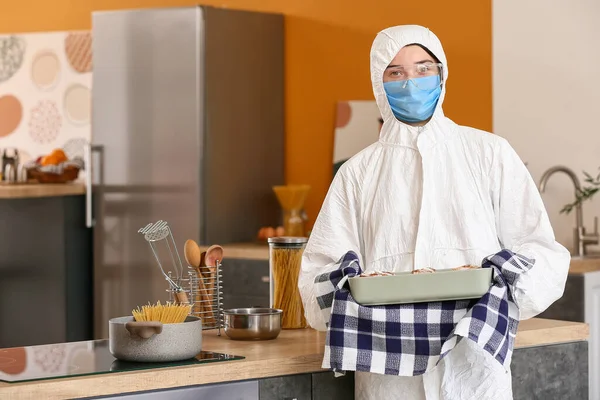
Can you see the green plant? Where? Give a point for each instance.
(585, 193)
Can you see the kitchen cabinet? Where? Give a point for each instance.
(571, 306)
(325, 386)
(581, 303)
(291, 387)
(228, 391)
(46, 270)
(316, 386)
(557, 371)
(245, 283)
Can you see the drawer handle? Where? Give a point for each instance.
(265, 279)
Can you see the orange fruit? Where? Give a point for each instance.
(60, 155)
(56, 157)
(48, 160)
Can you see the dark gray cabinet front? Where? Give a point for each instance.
(316, 386)
(325, 386)
(245, 283)
(570, 307)
(47, 271)
(291, 387)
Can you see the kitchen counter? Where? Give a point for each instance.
(293, 352)
(580, 266)
(33, 190)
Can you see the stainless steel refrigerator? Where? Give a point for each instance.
(188, 126)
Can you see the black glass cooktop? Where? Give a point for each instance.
(20, 364)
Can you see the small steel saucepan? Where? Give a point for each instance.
(252, 323)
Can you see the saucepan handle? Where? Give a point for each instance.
(144, 329)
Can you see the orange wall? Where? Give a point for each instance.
(327, 59)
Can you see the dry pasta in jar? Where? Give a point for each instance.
(285, 259)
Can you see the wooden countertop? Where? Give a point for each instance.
(543, 332)
(580, 266)
(293, 352)
(33, 190)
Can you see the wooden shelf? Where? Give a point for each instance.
(34, 190)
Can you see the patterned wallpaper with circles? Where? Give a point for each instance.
(45, 92)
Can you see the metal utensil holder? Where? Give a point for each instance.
(205, 295)
(201, 288)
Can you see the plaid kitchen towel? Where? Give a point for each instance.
(409, 339)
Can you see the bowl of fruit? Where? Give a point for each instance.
(55, 167)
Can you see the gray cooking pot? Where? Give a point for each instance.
(153, 341)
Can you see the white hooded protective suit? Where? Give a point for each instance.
(440, 195)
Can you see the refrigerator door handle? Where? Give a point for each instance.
(89, 177)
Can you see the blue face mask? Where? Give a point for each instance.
(414, 100)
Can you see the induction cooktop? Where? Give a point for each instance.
(52, 361)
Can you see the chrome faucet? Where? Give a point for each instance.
(581, 239)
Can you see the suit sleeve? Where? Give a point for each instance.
(523, 226)
(336, 231)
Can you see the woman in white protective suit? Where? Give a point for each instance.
(432, 193)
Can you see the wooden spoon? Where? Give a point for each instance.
(181, 297)
(204, 284)
(192, 253)
(214, 255)
(195, 259)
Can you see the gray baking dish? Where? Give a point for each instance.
(405, 287)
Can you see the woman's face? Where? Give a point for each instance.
(411, 62)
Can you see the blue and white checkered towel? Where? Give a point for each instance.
(409, 339)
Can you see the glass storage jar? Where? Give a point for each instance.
(285, 259)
